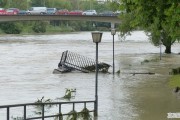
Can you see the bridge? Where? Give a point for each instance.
(95, 18)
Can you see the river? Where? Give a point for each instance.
(27, 63)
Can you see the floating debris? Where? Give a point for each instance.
(72, 61)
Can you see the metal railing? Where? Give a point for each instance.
(71, 60)
(43, 116)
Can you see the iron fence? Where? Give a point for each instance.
(43, 116)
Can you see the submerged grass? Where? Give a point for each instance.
(175, 81)
(151, 60)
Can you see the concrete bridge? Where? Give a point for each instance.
(96, 18)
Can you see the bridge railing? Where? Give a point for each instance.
(42, 115)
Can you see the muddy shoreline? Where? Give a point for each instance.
(151, 95)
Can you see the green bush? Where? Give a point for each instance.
(175, 81)
(39, 27)
(11, 27)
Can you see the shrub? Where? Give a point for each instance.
(11, 27)
(39, 27)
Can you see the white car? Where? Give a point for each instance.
(89, 12)
(37, 11)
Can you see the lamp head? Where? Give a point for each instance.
(113, 31)
(96, 36)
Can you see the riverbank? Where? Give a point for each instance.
(151, 95)
(49, 27)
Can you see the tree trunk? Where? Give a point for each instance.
(168, 49)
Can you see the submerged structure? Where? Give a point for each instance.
(72, 61)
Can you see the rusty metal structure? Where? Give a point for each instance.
(73, 61)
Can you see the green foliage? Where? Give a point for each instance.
(87, 26)
(57, 29)
(3, 3)
(37, 3)
(17, 118)
(11, 27)
(61, 4)
(21, 4)
(160, 19)
(69, 94)
(84, 115)
(103, 24)
(175, 71)
(114, 5)
(39, 107)
(73, 115)
(81, 25)
(175, 81)
(39, 27)
(59, 117)
(102, 7)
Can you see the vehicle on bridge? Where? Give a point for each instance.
(2, 11)
(51, 11)
(22, 12)
(75, 12)
(62, 12)
(37, 11)
(12, 11)
(90, 12)
(107, 13)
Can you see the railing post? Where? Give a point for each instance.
(42, 111)
(7, 113)
(24, 112)
(73, 106)
(59, 111)
(85, 105)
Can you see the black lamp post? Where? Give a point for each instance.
(96, 36)
(113, 32)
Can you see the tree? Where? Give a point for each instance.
(21, 4)
(160, 19)
(37, 3)
(3, 3)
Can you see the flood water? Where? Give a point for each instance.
(27, 63)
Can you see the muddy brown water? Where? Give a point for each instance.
(27, 62)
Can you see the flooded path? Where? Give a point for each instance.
(27, 63)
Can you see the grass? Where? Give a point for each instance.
(175, 81)
(57, 29)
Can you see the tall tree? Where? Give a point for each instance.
(37, 3)
(3, 3)
(160, 19)
(21, 4)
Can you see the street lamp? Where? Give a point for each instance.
(96, 36)
(113, 32)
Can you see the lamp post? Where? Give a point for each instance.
(113, 32)
(96, 36)
(160, 43)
